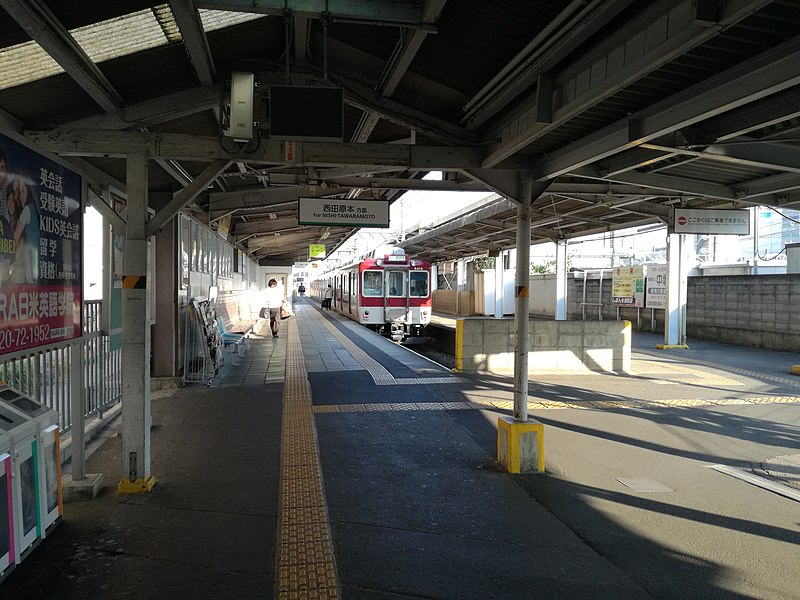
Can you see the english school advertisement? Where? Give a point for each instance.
(40, 250)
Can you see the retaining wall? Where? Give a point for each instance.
(487, 346)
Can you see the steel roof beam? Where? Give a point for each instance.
(152, 112)
(770, 155)
(194, 38)
(384, 11)
(663, 32)
(771, 72)
(664, 182)
(46, 30)
(407, 47)
(766, 113)
(187, 147)
(185, 196)
(775, 184)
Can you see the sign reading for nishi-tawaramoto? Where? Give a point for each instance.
(40, 250)
(343, 212)
(712, 221)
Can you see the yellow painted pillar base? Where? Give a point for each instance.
(520, 445)
(795, 370)
(672, 347)
(143, 484)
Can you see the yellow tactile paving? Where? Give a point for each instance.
(306, 566)
(704, 377)
(550, 405)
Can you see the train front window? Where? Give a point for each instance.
(372, 284)
(395, 283)
(418, 284)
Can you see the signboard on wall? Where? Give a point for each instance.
(712, 221)
(656, 286)
(40, 250)
(343, 212)
(627, 287)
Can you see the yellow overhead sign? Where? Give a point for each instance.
(316, 251)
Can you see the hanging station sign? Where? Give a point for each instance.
(40, 250)
(343, 212)
(712, 221)
(316, 251)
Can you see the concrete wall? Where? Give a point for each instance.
(487, 345)
(749, 310)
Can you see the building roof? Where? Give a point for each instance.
(611, 111)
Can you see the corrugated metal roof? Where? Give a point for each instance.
(137, 46)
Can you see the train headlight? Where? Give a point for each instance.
(424, 313)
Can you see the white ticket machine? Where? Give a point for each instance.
(48, 461)
(22, 432)
(6, 511)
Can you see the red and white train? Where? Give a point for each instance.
(391, 295)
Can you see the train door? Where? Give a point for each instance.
(396, 303)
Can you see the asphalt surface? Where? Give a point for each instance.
(630, 506)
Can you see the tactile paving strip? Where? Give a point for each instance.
(306, 566)
(376, 370)
(550, 404)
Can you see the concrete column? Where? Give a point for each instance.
(675, 313)
(77, 408)
(498, 286)
(561, 280)
(136, 417)
(521, 303)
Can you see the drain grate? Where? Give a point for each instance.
(643, 484)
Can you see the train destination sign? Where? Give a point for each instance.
(343, 212)
(712, 221)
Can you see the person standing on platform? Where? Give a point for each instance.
(302, 290)
(326, 302)
(274, 299)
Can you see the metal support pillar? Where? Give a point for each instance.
(136, 417)
(521, 302)
(675, 313)
(561, 280)
(78, 410)
(498, 286)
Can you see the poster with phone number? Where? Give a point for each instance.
(40, 250)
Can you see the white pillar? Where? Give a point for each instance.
(136, 417)
(521, 303)
(498, 286)
(674, 314)
(561, 280)
(78, 410)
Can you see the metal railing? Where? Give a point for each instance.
(45, 373)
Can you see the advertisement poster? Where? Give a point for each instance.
(627, 287)
(656, 294)
(40, 250)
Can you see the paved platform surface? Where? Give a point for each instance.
(331, 463)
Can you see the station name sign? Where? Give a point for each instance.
(343, 212)
(712, 221)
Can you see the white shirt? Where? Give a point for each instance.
(274, 296)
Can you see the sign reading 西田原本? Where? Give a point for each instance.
(627, 287)
(712, 221)
(40, 249)
(343, 212)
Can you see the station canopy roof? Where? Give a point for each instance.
(610, 112)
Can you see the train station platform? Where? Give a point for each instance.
(332, 463)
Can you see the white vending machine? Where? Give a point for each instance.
(22, 432)
(48, 460)
(6, 511)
